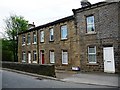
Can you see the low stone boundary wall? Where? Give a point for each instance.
(47, 70)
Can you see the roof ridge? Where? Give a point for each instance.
(50, 24)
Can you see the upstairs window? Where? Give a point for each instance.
(90, 24)
(41, 36)
(92, 54)
(23, 39)
(34, 38)
(28, 38)
(51, 34)
(64, 32)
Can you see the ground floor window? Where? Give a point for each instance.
(92, 54)
(34, 56)
(23, 57)
(64, 57)
(52, 57)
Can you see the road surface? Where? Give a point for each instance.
(16, 80)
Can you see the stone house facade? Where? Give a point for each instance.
(98, 28)
(87, 41)
(54, 44)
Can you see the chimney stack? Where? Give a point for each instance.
(85, 3)
(30, 26)
(33, 23)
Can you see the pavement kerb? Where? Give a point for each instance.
(87, 83)
(63, 71)
(48, 77)
(31, 74)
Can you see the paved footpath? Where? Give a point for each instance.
(82, 78)
(13, 80)
(89, 78)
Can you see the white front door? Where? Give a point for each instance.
(108, 56)
(29, 57)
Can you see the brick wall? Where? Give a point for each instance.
(27, 48)
(106, 33)
(57, 45)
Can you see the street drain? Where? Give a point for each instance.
(39, 78)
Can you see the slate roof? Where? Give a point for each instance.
(50, 24)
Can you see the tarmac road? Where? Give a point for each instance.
(16, 80)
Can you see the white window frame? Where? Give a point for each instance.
(90, 24)
(92, 54)
(42, 36)
(64, 58)
(23, 40)
(63, 28)
(34, 37)
(28, 38)
(52, 56)
(51, 34)
(23, 57)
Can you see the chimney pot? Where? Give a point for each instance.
(85, 3)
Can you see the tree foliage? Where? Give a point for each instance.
(7, 54)
(14, 25)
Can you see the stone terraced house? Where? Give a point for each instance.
(88, 41)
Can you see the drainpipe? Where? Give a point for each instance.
(38, 46)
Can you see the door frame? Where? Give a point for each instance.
(112, 60)
(41, 53)
(29, 53)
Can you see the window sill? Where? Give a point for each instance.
(64, 64)
(64, 39)
(41, 42)
(23, 61)
(51, 41)
(34, 43)
(28, 44)
(52, 63)
(92, 63)
(34, 62)
(23, 44)
(91, 33)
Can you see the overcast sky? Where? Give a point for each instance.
(38, 11)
